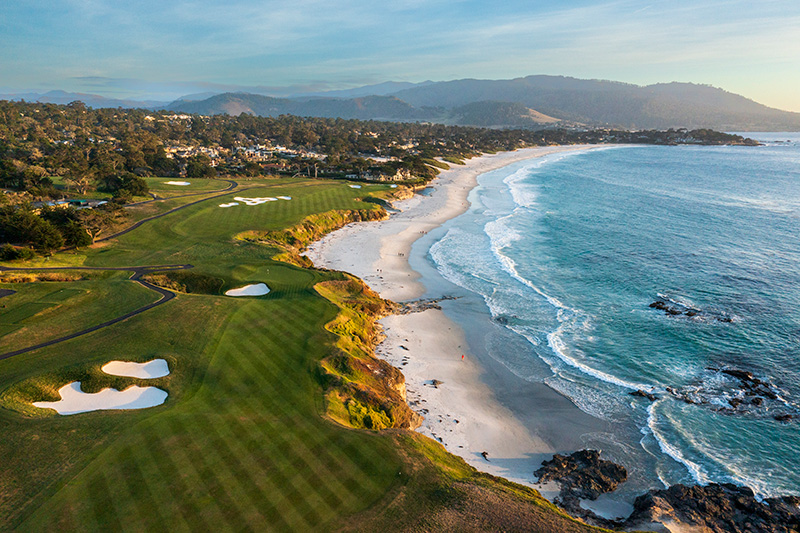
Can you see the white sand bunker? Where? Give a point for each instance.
(285, 197)
(354, 186)
(254, 201)
(74, 400)
(393, 186)
(229, 205)
(157, 368)
(255, 289)
(177, 183)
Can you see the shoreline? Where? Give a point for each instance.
(477, 405)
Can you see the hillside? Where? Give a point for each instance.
(368, 107)
(529, 102)
(599, 102)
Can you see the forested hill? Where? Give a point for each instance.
(532, 101)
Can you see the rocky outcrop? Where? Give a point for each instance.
(714, 508)
(733, 391)
(644, 394)
(581, 476)
(672, 308)
(418, 306)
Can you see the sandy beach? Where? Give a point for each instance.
(475, 405)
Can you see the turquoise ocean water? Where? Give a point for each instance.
(569, 251)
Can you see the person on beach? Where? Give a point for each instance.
(462, 356)
(485, 456)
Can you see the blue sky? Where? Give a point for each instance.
(163, 49)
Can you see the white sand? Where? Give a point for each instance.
(354, 186)
(255, 289)
(284, 197)
(231, 204)
(427, 345)
(74, 400)
(177, 183)
(254, 201)
(157, 368)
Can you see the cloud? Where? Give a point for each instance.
(271, 43)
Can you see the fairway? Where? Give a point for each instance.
(243, 441)
(239, 443)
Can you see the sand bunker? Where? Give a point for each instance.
(157, 368)
(393, 186)
(74, 400)
(177, 183)
(255, 289)
(354, 186)
(254, 201)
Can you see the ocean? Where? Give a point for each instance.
(671, 270)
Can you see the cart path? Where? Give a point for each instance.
(138, 272)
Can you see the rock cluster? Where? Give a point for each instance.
(675, 309)
(740, 392)
(581, 476)
(418, 306)
(722, 508)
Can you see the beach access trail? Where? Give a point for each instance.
(461, 407)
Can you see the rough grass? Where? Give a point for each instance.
(188, 282)
(41, 311)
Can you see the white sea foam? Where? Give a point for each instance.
(697, 471)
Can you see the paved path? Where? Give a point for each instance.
(138, 272)
(232, 186)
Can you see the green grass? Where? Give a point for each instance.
(159, 187)
(242, 442)
(47, 310)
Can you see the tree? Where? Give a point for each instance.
(199, 166)
(81, 183)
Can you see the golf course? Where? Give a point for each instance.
(271, 420)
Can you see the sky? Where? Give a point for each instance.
(157, 49)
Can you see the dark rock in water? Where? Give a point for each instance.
(504, 320)
(722, 508)
(643, 394)
(744, 375)
(783, 418)
(743, 392)
(676, 309)
(582, 475)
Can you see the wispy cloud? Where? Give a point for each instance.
(272, 43)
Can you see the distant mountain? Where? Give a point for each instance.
(368, 107)
(91, 100)
(498, 115)
(532, 101)
(599, 102)
(380, 89)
